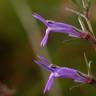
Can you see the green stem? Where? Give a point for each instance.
(82, 24)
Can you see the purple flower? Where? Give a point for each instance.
(53, 26)
(61, 72)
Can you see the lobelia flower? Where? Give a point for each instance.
(63, 72)
(53, 26)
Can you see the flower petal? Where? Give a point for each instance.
(37, 16)
(80, 77)
(66, 72)
(44, 60)
(45, 38)
(49, 83)
(44, 64)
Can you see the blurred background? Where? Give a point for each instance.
(20, 37)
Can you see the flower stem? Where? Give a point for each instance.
(87, 36)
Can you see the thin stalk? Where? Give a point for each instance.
(82, 24)
(85, 8)
(83, 16)
(88, 64)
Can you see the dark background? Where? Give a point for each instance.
(20, 37)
